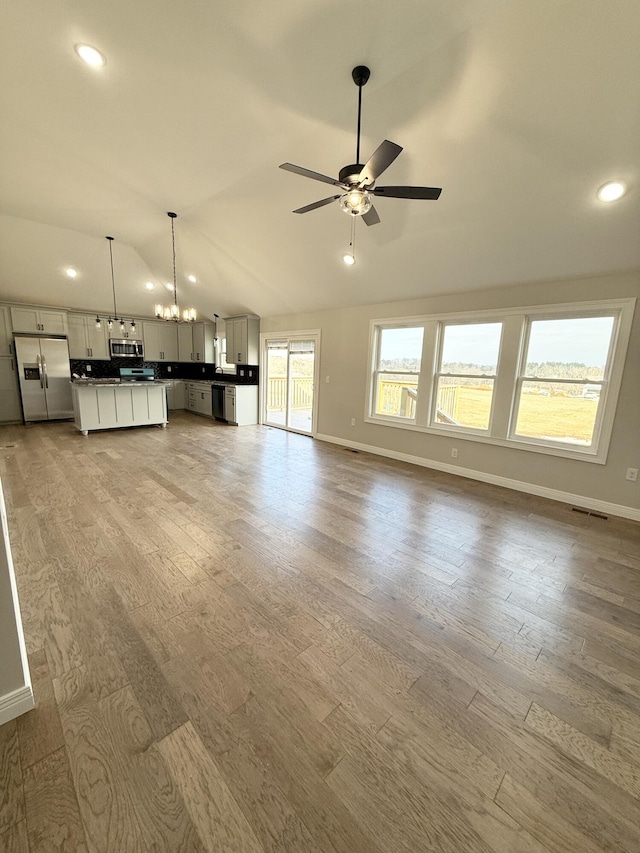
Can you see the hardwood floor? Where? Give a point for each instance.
(244, 640)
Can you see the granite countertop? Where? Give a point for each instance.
(114, 383)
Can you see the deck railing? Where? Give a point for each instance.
(399, 398)
(301, 393)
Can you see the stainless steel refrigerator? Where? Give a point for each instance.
(45, 378)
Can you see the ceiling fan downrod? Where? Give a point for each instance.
(360, 76)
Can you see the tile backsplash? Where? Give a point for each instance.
(244, 375)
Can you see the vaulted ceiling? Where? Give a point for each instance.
(519, 110)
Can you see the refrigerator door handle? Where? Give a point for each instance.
(46, 375)
(40, 375)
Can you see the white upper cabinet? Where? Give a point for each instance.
(48, 321)
(243, 339)
(85, 340)
(160, 341)
(196, 342)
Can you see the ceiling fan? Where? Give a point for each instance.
(357, 181)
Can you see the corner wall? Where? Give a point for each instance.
(344, 354)
(16, 695)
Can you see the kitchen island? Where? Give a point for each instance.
(114, 405)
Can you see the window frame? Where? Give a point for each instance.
(376, 372)
(513, 348)
(437, 374)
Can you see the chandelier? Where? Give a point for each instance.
(115, 319)
(172, 312)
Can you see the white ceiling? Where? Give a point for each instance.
(519, 110)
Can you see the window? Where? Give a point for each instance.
(465, 376)
(562, 382)
(399, 357)
(544, 379)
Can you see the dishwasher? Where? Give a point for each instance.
(230, 404)
(217, 397)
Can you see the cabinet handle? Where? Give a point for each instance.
(239, 358)
(12, 367)
(91, 352)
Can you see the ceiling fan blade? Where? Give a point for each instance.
(431, 193)
(381, 159)
(371, 216)
(316, 204)
(307, 173)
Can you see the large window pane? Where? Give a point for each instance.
(464, 378)
(464, 402)
(471, 348)
(396, 395)
(569, 348)
(401, 349)
(558, 411)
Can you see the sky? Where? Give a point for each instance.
(584, 340)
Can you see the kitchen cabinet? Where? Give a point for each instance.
(10, 405)
(241, 404)
(6, 337)
(196, 342)
(115, 406)
(198, 398)
(243, 339)
(85, 340)
(36, 320)
(160, 341)
(175, 394)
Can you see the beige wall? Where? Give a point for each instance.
(344, 354)
(15, 685)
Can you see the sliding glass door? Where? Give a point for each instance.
(288, 398)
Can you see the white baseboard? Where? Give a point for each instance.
(15, 703)
(605, 507)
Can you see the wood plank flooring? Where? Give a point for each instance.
(244, 641)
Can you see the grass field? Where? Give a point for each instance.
(564, 418)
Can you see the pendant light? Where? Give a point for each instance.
(111, 320)
(172, 312)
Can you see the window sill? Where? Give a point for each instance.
(462, 434)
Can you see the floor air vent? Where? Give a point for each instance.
(588, 512)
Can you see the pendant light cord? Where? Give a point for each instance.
(113, 279)
(173, 244)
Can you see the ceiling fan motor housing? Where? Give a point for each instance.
(351, 174)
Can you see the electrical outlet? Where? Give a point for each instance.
(353, 421)
(88, 368)
(327, 380)
(454, 452)
(169, 369)
(632, 474)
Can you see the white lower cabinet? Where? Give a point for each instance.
(241, 404)
(114, 406)
(175, 394)
(10, 406)
(198, 398)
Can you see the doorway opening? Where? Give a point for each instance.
(290, 388)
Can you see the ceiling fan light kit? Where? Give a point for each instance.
(357, 181)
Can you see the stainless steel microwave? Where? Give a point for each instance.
(126, 349)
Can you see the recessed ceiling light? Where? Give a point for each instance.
(192, 279)
(169, 286)
(611, 191)
(90, 55)
(71, 272)
(149, 285)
